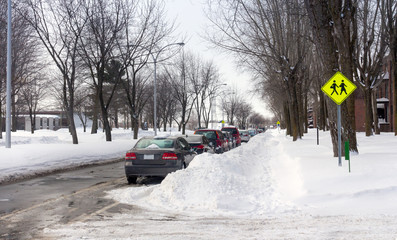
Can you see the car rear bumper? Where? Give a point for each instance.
(150, 170)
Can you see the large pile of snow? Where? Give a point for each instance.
(272, 175)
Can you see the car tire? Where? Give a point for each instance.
(132, 180)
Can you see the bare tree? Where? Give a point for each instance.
(368, 56)
(145, 29)
(256, 120)
(182, 89)
(97, 46)
(166, 100)
(243, 112)
(332, 23)
(269, 36)
(231, 103)
(389, 8)
(193, 73)
(83, 105)
(210, 79)
(25, 60)
(3, 59)
(59, 25)
(32, 93)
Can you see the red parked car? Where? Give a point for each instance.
(216, 138)
(235, 133)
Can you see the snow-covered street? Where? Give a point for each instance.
(269, 188)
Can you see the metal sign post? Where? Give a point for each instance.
(338, 88)
(339, 137)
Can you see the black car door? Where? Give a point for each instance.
(186, 150)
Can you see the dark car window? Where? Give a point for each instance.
(208, 134)
(231, 130)
(221, 136)
(183, 143)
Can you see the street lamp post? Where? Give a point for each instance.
(155, 81)
(8, 99)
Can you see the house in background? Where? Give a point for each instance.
(384, 101)
(52, 120)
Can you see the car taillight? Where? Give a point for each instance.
(199, 146)
(130, 156)
(169, 156)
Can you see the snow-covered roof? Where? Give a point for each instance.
(382, 100)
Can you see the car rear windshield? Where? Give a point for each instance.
(209, 134)
(231, 130)
(155, 143)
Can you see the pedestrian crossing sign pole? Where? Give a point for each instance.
(338, 88)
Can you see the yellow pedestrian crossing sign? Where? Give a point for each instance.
(338, 88)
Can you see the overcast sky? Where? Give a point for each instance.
(191, 21)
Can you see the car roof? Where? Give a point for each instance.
(162, 137)
(194, 137)
(206, 130)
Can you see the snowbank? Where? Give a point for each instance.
(238, 182)
(272, 175)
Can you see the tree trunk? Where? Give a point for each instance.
(375, 112)
(134, 125)
(305, 117)
(116, 119)
(393, 77)
(105, 118)
(322, 117)
(94, 128)
(183, 125)
(368, 112)
(287, 119)
(1, 122)
(165, 120)
(32, 121)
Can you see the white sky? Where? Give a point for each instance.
(191, 21)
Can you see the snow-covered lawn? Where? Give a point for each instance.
(45, 151)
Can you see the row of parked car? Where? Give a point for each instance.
(221, 140)
(160, 155)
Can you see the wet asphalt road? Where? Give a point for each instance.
(25, 194)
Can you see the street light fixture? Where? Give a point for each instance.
(155, 76)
